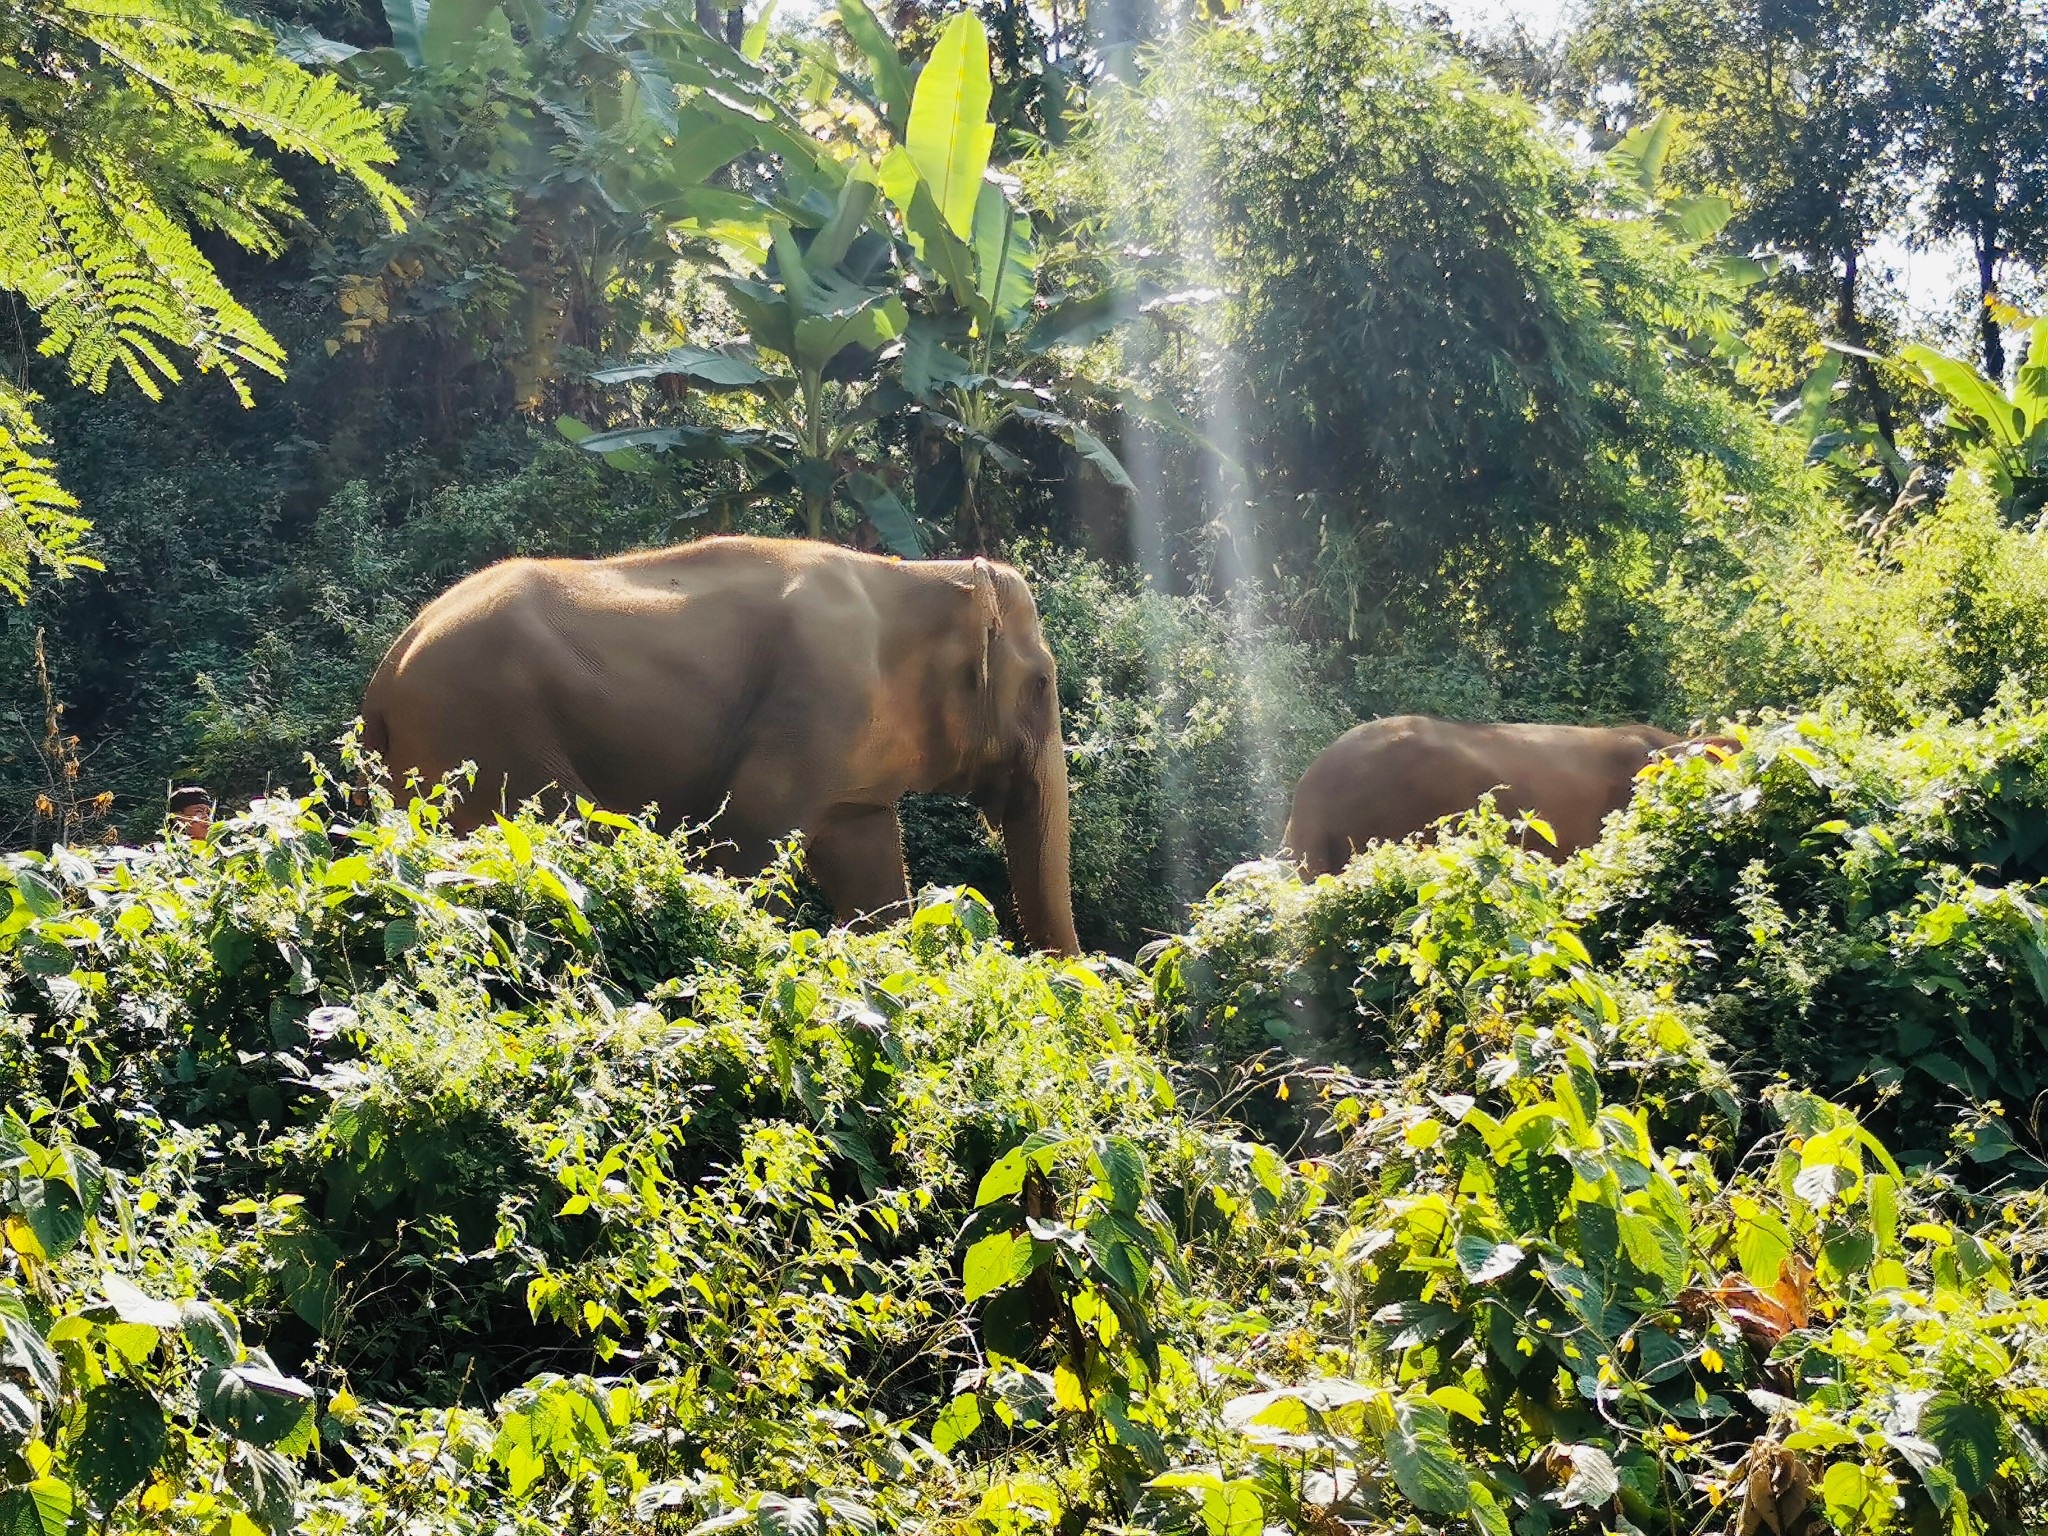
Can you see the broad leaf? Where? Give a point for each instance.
(1122, 1167)
(135, 1306)
(124, 1436)
(1639, 158)
(1425, 1465)
(1967, 1435)
(268, 1485)
(1970, 395)
(1085, 443)
(1005, 263)
(252, 1402)
(998, 1260)
(892, 82)
(1695, 220)
(40, 1508)
(754, 41)
(949, 135)
(733, 366)
(892, 520)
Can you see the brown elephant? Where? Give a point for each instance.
(777, 685)
(1388, 778)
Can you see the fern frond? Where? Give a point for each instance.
(114, 277)
(39, 524)
(296, 110)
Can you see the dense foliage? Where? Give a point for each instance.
(122, 136)
(362, 1178)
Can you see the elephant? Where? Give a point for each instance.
(1388, 778)
(767, 686)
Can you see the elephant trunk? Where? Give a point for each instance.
(1035, 831)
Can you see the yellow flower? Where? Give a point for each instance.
(1711, 1359)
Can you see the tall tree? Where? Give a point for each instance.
(1787, 112)
(123, 129)
(1972, 84)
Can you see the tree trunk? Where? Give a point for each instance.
(736, 27)
(1850, 323)
(1992, 332)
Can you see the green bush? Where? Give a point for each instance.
(1862, 912)
(359, 1178)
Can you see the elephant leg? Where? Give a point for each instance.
(856, 855)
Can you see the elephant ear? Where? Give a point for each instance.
(988, 601)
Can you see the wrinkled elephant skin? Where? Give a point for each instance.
(776, 685)
(1389, 778)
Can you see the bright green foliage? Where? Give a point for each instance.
(365, 1179)
(829, 285)
(1861, 911)
(125, 129)
(1428, 356)
(2012, 430)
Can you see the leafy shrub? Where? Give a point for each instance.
(1860, 911)
(365, 1179)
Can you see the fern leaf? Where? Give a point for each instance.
(39, 524)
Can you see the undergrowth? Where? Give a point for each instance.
(360, 1178)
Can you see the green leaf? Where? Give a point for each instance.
(124, 1435)
(1085, 443)
(1483, 1260)
(408, 22)
(1459, 1401)
(1426, 1467)
(1122, 1167)
(2030, 390)
(1762, 1242)
(1971, 395)
(892, 82)
(253, 1402)
(949, 136)
(1639, 157)
(134, 1306)
(962, 1417)
(999, 1260)
(38, 894)
(1968, 1436)
(53, 1214)
(267, 1483)
(1695, 220)
(1532, 1188)
(892, 520)
(1487, 1516)
(734, 366)
(1844, 1489)
(40, 1508)
(1656, 1249)
(755, 39)
(1003, 1179)
(1005, 263)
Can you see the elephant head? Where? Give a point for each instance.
(1017, 764)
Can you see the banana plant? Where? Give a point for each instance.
(829, 255)
(816, 322)
(2009, 431)
(974, 254)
